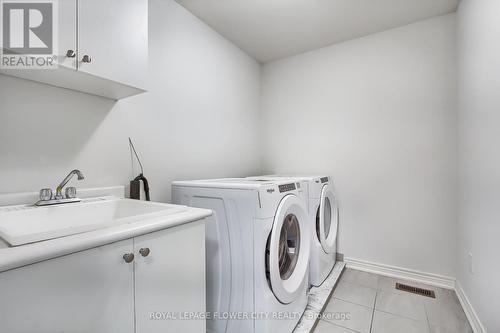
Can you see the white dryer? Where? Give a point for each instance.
(257, 259)
(324, 218)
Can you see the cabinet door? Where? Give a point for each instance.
(170, 280)
(67, 24)
(85, 292)
(114, 35)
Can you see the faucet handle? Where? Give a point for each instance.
(45, 194)
(70, 192)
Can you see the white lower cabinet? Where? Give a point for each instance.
(97, 291)
(170, 281)
(89, 291)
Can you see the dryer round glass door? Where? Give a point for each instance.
(327, 219)
(288, 250)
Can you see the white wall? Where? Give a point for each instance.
(479, 106)
(379, 115)
(199, 119)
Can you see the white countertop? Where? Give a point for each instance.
(13, 257)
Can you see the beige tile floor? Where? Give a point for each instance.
(369, 303)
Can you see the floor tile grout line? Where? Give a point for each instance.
(373, 312)
(359, 285)
(351, 302)
(337, 325)
(427, 317)
(400, 316)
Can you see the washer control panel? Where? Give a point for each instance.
(287, 187)
(324, 179)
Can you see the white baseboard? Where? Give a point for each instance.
(474, 321)
(402, 273)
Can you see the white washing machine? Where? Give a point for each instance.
(257, 259)
(324, 217)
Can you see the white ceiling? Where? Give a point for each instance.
(273, 29)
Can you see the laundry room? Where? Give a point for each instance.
(236, 166)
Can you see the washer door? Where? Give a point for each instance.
(288, 250)
(327, 220)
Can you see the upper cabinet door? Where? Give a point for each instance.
(67, 49)
(113, 40)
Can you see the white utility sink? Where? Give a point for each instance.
(28, 224)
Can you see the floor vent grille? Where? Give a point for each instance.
(415, 290)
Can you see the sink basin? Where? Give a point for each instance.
(28, 224)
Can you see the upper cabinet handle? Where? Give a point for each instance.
(86, 58)
(70, 54)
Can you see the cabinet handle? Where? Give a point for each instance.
(71, 54)
(128, 257)
(145, 251)
(86, 58)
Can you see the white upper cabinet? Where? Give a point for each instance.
(113, 40)
(102, 48)
(67, 34)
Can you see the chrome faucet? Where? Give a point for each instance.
(59, 188)
(46, 197)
